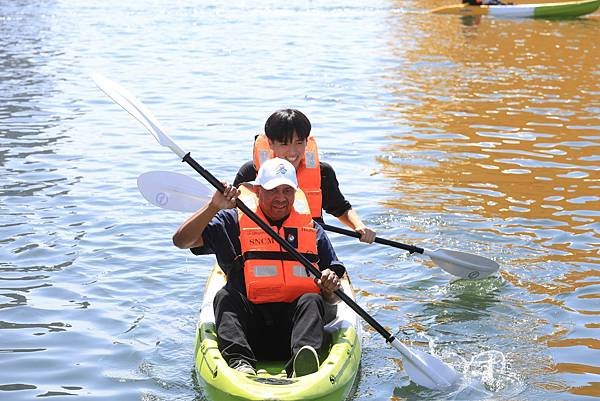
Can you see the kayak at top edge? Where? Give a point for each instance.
(567, 9)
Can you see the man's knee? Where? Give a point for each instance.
(311, 300)
(226, 299)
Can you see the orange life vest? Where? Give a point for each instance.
(271, 273)
(308, 172)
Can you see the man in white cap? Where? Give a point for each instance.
(270, 308)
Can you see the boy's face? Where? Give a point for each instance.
(292, 151)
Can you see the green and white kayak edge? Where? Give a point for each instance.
(332, 382)
(566, 9)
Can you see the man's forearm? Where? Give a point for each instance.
(189, 234)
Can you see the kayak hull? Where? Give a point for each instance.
(332, 382)
(568, 9)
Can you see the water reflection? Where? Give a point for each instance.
(499, 127)
(504, 123)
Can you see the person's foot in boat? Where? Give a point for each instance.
(244, 367)
(306, 361)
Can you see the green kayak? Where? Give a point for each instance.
(333, 381)
(565, 9)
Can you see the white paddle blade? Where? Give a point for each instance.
(173, 191)
(425, 369)
(129, 102)
(462, 264)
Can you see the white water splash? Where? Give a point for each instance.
(486, 376)
(490, 367)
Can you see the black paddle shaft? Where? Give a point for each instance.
(288, 247)
(409, 248)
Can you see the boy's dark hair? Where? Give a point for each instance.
(282, 124)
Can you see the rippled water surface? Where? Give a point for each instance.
(477, 134)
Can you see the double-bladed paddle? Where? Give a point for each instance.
(179, 192)
(424, 369)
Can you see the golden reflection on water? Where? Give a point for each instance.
(565, 284)
(517, 124)
(499, 121)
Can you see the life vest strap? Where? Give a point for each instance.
(269, 255)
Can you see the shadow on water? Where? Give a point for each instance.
(464, 300)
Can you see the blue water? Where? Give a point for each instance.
(480, 135)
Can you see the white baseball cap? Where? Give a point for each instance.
(275, 172)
